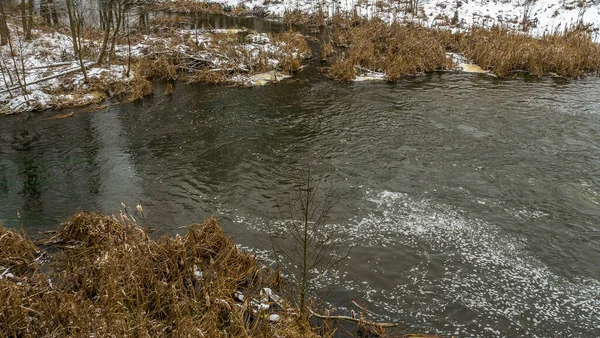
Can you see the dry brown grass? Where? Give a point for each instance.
(209, 76)
(169, 89)
(16, 250)
(405, 49)
(343, 71)
(568, 54)
(162, 66)
(189, 6)
(396, 50)
(140, 85)
(294, 48)
(326, 50)
(296, 18)
(109, 278)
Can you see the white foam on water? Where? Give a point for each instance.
(489, 277)
(490, 274)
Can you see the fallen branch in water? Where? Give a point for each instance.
(352, 319)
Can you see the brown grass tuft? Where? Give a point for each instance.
(169, 89)
(15, 250)
(568, 54)
(396, 50)
(209, 76)
(342, 70)
(109, 278)
(405, 49)
(294, 48)
(140, 85)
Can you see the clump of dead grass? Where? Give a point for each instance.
(109, 278)
(16, 250)
(296, 18)
(396, 50)
(160, 67)
(293, 48)
(140, 85)
(342, 70)
(209, 76)
(568, 54)
(400, 49)
(189, 6)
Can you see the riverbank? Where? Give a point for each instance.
(44, 73)
(382, 41)
(538, 18)
(397, 50)
(101, 275)
(388, 41)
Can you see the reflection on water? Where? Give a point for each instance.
(472, 203)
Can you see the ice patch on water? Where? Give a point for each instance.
(487, 273)
(470, 278)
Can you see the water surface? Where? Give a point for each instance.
(472, 204)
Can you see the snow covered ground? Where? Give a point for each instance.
(33, 67)
(37, 63)
(545, 16)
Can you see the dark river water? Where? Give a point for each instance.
(472, 205)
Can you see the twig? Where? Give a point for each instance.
(350, 319)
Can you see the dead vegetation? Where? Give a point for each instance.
(502, 51)
(17, 251)
(221, 56)
(396, 50)
(293, 49)
(400, 49)
(109, 278)
(189, 6)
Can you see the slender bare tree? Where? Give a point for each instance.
(72, 25)
(304, 244)
(108, 11)
(4, 31)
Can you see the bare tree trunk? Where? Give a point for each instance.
(24, 16)
(3, 26)
(29, 19)
(52, 9)
(45, 12)
(118, 26)
(128, 47)
(81, 64)
(72, 25)
(75, 24)
(102, 54)
(101, 15)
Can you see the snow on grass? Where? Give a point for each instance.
(545, 16)
(46, 55)
(239, 54)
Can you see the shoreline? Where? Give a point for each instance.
(48, 76)
(100, 274)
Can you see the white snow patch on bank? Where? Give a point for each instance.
(546, 16)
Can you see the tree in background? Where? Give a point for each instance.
(4, 31)
(75, 23)
(27, 17)
(108, 14)
(48, 12)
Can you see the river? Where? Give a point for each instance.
(472, 204)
